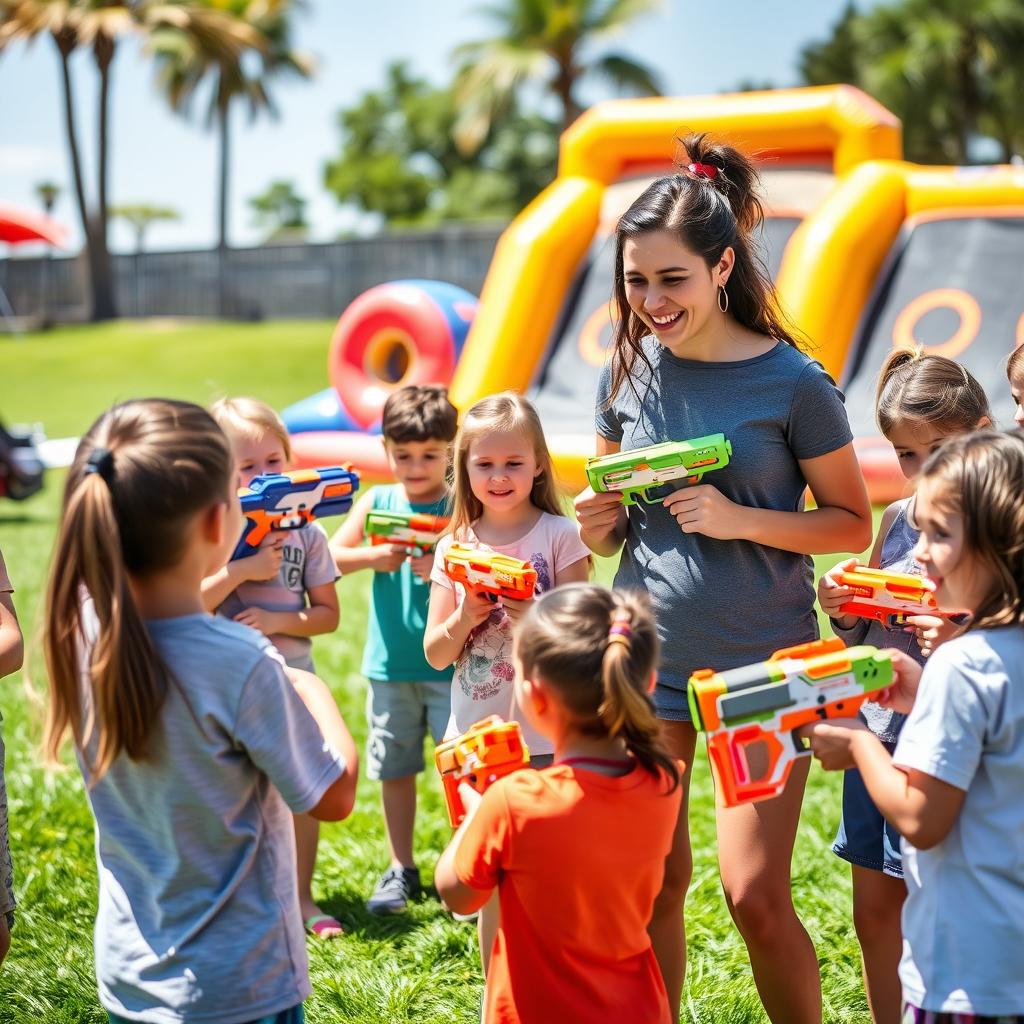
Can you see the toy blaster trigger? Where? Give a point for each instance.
(417, 532)
(496, 574)
(888, 597)
(287, 501)
(486, 752)
(749, 714)
(637, 472)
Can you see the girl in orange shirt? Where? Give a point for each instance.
(577, 850)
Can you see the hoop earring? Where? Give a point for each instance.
(723, 294)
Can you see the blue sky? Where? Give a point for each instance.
(160, 158)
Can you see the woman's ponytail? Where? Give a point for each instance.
(598, 649)
(141, 474)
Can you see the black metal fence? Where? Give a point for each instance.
(266, 282)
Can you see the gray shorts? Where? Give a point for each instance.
(400, 715)
(6, 868)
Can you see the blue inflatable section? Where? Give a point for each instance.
(322, 411)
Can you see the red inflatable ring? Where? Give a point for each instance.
(403, 332)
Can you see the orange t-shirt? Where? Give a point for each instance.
(578, 858)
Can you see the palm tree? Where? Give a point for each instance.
(544, 40)
(140, 216)
(186, 61)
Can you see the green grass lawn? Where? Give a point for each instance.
(422, 966)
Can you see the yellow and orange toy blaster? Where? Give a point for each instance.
(496, 574)
(287, 501)
(887, 597)
(750, 713)
(486, 752)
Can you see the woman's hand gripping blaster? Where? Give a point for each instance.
(750, 714)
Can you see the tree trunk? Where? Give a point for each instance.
(969, 91)
(224, 133)
(104, 307)
(563, 85)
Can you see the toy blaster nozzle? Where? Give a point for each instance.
(496, 574)
(639, 471)
(486, 752)
(288, 501)
(750, 714)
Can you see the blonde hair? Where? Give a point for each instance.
(140, 475)
(251, 418)
(505, 412)
(983, 479)
(930, 389)
(1015, 365)
(597, 649)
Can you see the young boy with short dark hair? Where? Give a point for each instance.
(407, 698)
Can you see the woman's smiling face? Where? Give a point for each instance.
(669, 287)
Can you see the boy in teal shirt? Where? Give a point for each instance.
(406, 696)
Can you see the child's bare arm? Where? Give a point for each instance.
(457, 896)
(348, 550)
(264, 565)
(12, 646)
(449, 623)
(321, 616)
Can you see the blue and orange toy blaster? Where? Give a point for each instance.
(288, 501)
(750, 714)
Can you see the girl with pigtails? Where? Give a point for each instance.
(577, 850)
(700, 348)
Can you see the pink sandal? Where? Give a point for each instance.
(323, 926)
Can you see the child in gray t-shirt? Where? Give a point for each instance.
(286, 591)
(195, 746)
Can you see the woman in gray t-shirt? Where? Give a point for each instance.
(700, 350)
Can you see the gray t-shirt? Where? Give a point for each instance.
(198, 917)
(306, 563)
(963, 921)
(725, 603)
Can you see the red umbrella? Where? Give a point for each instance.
(18, 225)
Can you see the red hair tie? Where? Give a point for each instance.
(703, 170)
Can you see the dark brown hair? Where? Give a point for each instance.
(983, 478)
(419, 413)
(707, 215)
(564, 640)
(929, 389)
(140, 475)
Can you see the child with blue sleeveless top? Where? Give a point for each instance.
(195, 745)
(406, 698)
(700, 349)
(286, 591)
(953, 784)
(922, 401)
(12, 650)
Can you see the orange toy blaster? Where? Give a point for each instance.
(749, 713)
(287, 501)
(486, 752)
(497, 575)
(887, 597)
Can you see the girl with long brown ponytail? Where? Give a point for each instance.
(577, 850)
(193, 742)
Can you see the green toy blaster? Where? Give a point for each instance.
(636, 472)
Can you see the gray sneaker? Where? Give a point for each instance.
(394, 890)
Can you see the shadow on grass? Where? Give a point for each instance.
(351, 911)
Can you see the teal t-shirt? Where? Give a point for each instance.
(398, 609)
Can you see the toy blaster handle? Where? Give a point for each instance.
(489, 750)
(888, 597)
(640, 471)
(495, 574)
(288, 501)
